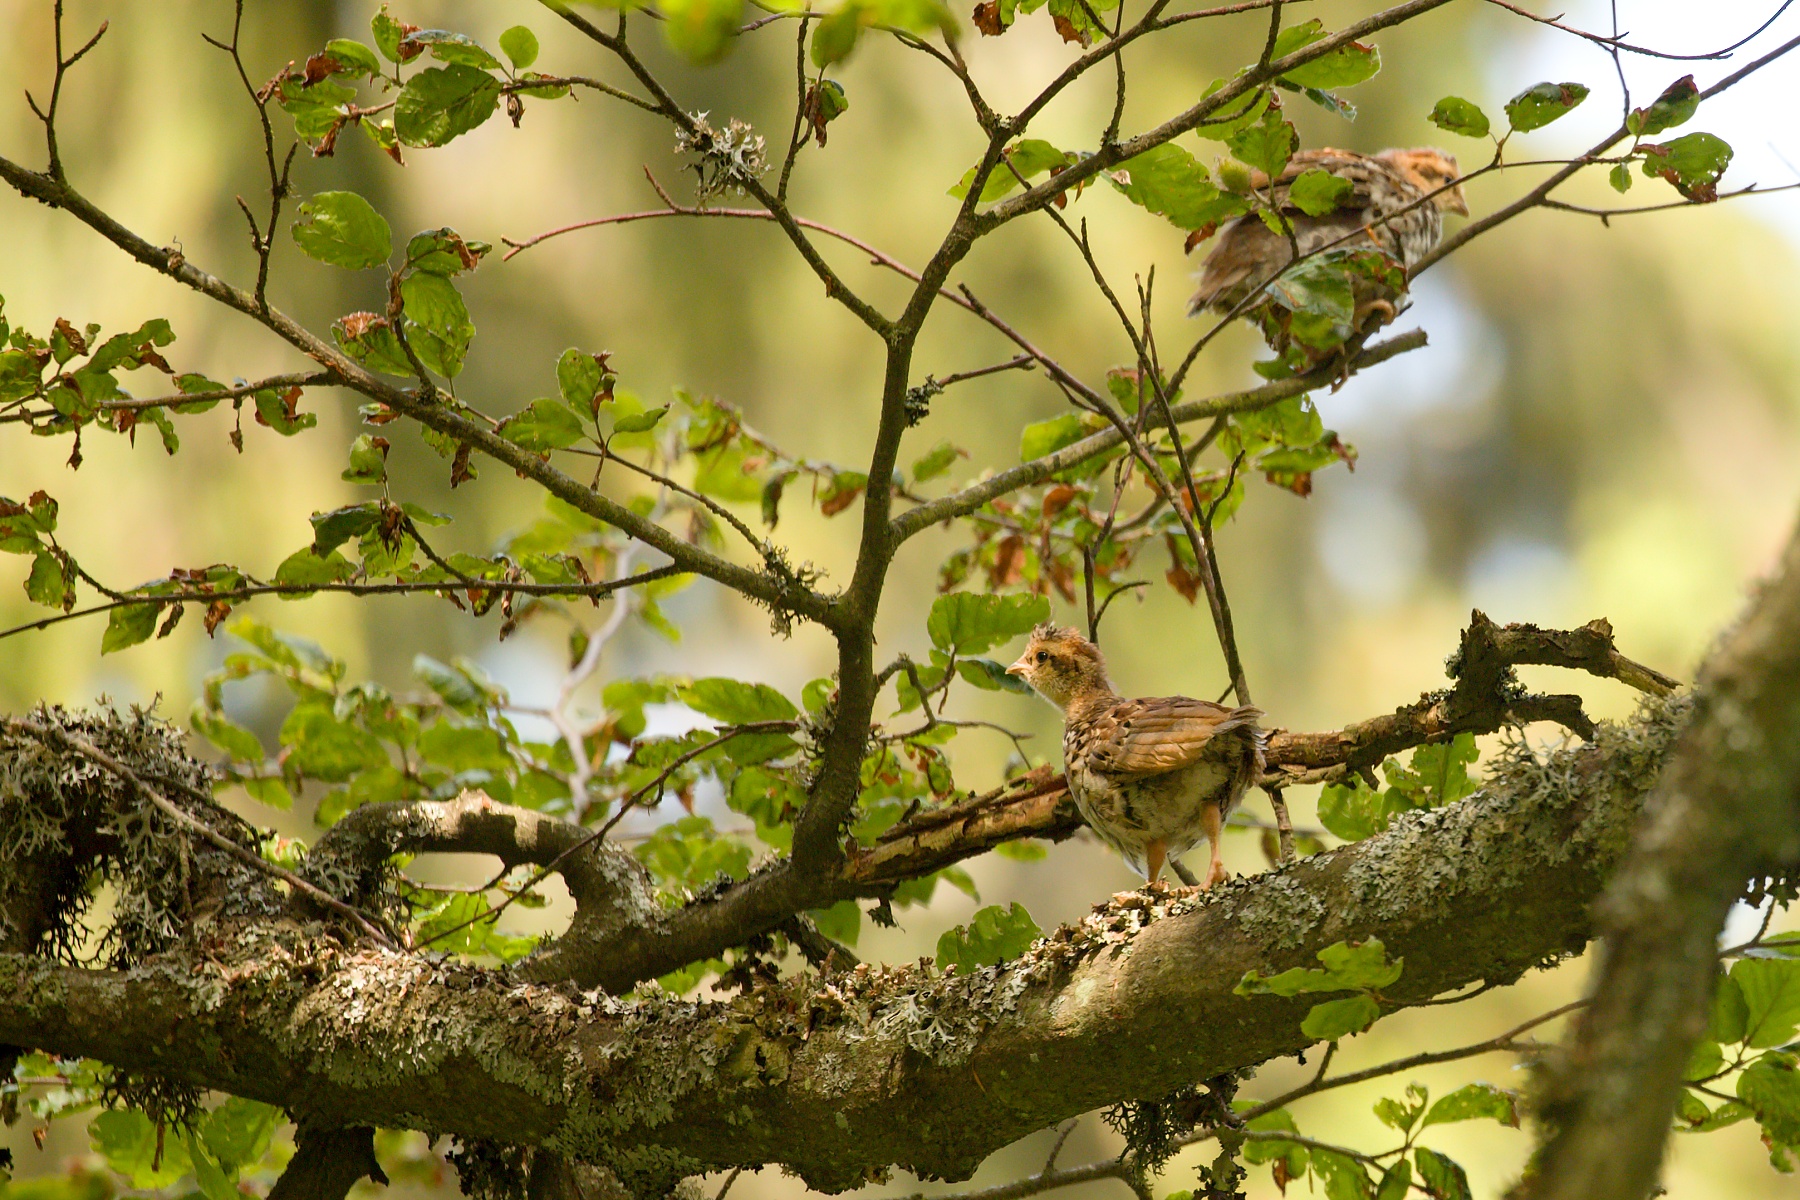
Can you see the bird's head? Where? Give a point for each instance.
(1061, 665)
(1428, 169)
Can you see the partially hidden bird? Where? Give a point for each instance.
(1153, 776)
(1386, 208)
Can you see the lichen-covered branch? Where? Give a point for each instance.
(1134, 1002)
(1727, 810)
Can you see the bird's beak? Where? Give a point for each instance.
(1017, 670)
(1456, 202)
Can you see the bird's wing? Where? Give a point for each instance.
(1151, 736)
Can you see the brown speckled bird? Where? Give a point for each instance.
(1151, 777)
(1248, 253)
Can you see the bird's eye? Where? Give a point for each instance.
(1042, 656)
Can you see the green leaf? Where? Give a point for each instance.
(1692, 164)
(1473, 1102)
(236, 741)
(1676, 106)
(1258, 1152)
(212, 1180)
(1029, 157)
(1349, 64)
(1620, 178)
(544, 424)
(1172, 183)
(1047, 437)
(936, 461)
(835, 36)
(1459, 116)
(332, 529)
(640, 422)
(318, 110)
(993, 935)
(128, 625)
(1396, 1183)
(990, 676)
(1267, 144)
(343, 229)
(370, 340)
(1346, 966)
(438, 322)
(579, 376)
(352, 57)
(1442, 1177)
(1770, 1088)
(1345, 1178)
(441, 103)
(464, 748)
(1318, 192)
(443, 252)
(1542, 103)
(325, 748)
(734, 702)
(1771, 990)
(307, 568)
(457, 48)
(388, 33)
(701, 30)
(21, 374)
(1333, 1019)
(520, 45)
(1730, 1014)
(368, 460)
(842, 922)
(49, 584)
(1403, 1116)
(129, 1143)
(967, 623)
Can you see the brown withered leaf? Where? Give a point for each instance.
(1199, 235)
(1009, 561)
(1069, 32)
(320, 66)
(393, 525)
(172, 620)
(76, 341)
(987, 18)
(216, 612)
(1062, 578)
(837, 500)
(515, 108)
(1057, 499)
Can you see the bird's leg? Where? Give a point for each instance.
(1212, 821)
(1156, 852)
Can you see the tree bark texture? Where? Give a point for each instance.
(840, 1078)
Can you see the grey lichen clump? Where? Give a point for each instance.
(68, 824)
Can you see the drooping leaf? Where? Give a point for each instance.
(1676, 106)
(1442, 1177)
(438, 324)
(1266, 144)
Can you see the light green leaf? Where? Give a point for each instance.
(993, 935)
(1476, 1101)
(1460, 116)
(353, 58)
(544, 424)
(1346, 966)
(1172, 183)
(701, 30)
(968, 623)
(438, 322)
(343, 229)
(457, 48)
(441, 103)
(1029, 157)
(520, 45)
(936, 461)
(735, 702)
(1771, 990)
(1333, 1019)
(1318, 192)
(129, 1143)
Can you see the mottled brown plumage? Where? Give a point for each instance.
(1248, 253)
(1153, 776)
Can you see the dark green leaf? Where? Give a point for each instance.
(238, 1132)
(1459, 116)
(370, 340)
(968, 624)
(1770, 1088)
(128, 625)
(990, 676)
(842, 922)
(992, 935)
(307, 568)
(464, 748)
(332, 529)
(343, 229)
(520, 45)
(388, 33)
(1676, 106)
(438, 322)
(1396, 1183)
(1442, 1177)
(352, 57)
(1730, 1014)
(443, 252)
(1333, 1019)
(579, 377)
(1542, 103)
(1345, 1178)
(49, 584)
(1692, 164)
(457, 48)
(441, 103)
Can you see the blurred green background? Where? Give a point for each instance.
(1603, 425)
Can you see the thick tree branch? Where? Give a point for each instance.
(1134, 1002)
(1727, 810)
